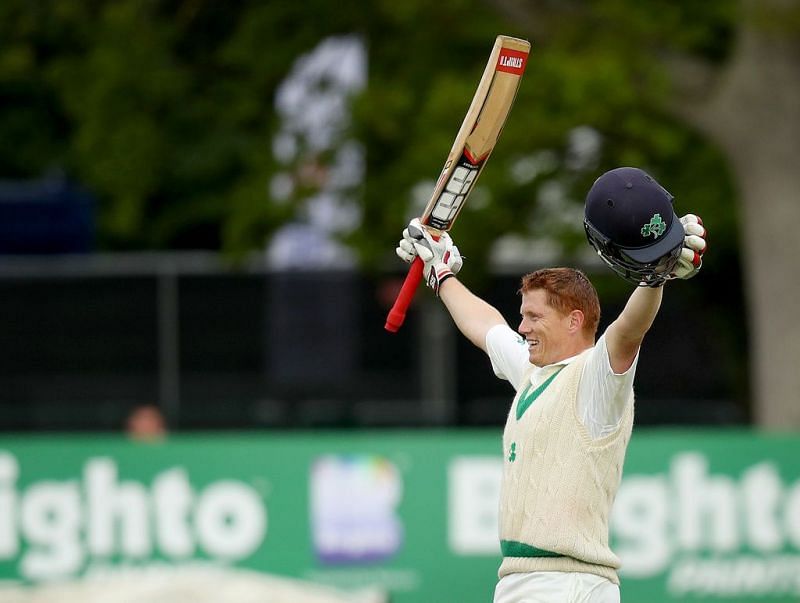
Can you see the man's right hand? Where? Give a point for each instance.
(441, 257)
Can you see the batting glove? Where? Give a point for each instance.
(694, 246)
(441, 257)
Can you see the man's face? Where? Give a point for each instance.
(544, 328)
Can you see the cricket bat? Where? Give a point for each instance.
(475, 141)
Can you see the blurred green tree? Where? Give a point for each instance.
(165, 109)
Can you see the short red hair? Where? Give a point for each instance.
(567, 289)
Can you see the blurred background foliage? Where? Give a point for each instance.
(166, 111)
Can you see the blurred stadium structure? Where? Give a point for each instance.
(45, 216)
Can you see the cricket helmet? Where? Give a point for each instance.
(630, 222)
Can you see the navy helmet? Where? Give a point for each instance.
(630, 222)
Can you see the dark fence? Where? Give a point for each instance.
(87, 338)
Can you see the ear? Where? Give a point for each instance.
(576, 318)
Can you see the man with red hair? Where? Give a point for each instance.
(571, 419)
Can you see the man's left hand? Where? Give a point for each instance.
(694, 246)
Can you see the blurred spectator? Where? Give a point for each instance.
(146, 423)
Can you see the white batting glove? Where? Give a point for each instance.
(441, 258)
(694, 246)
(405, 248)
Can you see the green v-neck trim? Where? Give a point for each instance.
(526, 399)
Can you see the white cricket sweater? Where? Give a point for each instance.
(558, 483)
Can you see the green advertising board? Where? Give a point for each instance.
(700, 515)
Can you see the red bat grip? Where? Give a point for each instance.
(398, 312)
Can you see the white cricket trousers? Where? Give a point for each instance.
(555, 587)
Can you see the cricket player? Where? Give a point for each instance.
(571, 418)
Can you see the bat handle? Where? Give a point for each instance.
(398, 312)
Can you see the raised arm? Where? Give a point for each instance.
(472, 315)
(625, 334)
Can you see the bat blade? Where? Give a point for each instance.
(474, 143)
